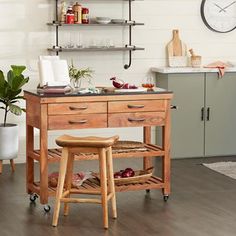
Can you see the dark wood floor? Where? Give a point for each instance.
(202, 203)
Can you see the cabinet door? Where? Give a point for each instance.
(187, 129)
(221, 127)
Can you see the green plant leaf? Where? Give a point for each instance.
(10, 77)
(12, 94)
(16, 110)
(23, 82)
(17, 98)
(2, 80)
(17, 70)
(4, 90)
(1, 76)
(10, 89)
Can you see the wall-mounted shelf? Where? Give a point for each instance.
(95, 49)
(129, 23)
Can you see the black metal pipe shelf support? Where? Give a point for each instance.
(127, 66)
(57, 20)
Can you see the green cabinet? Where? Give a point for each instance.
(203, 114)
(220, 128)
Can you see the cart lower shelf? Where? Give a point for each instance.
(92, 186)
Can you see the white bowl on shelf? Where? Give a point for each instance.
(103, 20)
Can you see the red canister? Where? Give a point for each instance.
(85, 16)
(70, 17)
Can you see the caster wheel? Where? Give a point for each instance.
(33, 197)
(147, 190)
(165, 198)
(46, 208)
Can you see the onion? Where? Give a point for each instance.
(118, 175)
(132, 86)
(125, 174)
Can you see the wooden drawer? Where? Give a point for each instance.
(77, 108)
(136, 119)
(77, 121)
(136, 106)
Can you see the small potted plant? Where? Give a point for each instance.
(77, 75)
(10, 89)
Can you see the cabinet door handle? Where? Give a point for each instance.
(78, 108)
(202, 114)
(78, 122)
(135, 106)
(173, 107)
(208, 113)
(136, 119)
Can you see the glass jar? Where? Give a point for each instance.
(85, 16)
(77, 9)
(70, 17)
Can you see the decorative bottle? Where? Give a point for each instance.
(77, 9)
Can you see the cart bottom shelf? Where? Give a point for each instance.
(92, 186)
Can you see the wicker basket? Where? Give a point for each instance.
(125, 144)
(140, 176)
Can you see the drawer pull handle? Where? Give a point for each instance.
(135, 106)
(78, 122)
(208, 113)
(173, 107)
(78, 108)
(136, 119)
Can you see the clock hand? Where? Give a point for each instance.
(223, 9)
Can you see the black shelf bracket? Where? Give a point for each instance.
(57, 20)
(127, 66)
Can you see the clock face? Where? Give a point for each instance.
(219, 15)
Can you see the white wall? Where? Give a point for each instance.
(24, 36)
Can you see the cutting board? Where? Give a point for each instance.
(176, 48)
(139, 89)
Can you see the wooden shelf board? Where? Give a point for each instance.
(54, 155)
(92, 186)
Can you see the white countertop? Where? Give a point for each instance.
(174, 70)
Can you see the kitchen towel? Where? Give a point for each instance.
(221, 66)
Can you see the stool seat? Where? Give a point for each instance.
(103, 147)
(90, 141)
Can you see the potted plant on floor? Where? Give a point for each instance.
(10, 89)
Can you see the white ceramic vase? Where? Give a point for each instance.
(8, 141)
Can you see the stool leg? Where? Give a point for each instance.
(103, 181)
(60, 185)
(1, 166)
(68, 180)
(111, 182)
(13, 168)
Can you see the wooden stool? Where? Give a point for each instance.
(101, 146)
(12, 166)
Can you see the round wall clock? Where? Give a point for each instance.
(219, 15)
